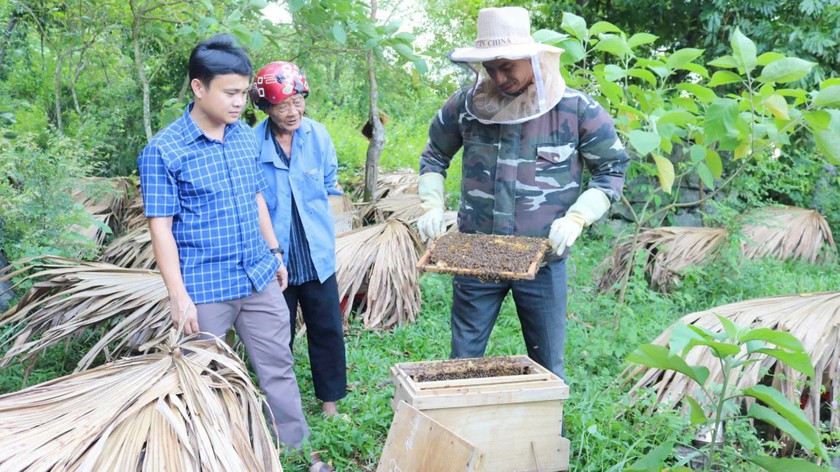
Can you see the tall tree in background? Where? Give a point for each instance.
(377, 138)
(164, 31)
(358, 41)
(71, 34)
(165, 15)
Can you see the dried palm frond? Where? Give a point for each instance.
(400, 181)
(814, 319)
(397, 185)
(132, 250)
(134, 216)
(389, 183)
(787, 233)
(379, 259)
(105, 201)
(403, 206)
(667, 251)
(191, 406)
(68, 297)
(340, 203)
(345, 215)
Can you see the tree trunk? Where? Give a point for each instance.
(141, 74)
(378, 139)
(57, 85)
(184, 86)
(10, 27)
(73, 86)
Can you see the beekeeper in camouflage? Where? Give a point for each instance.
(526, 139)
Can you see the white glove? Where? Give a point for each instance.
(430, 188)
(590, 205)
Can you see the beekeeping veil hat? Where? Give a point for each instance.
(505, 33)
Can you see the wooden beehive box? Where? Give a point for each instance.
(515, 420)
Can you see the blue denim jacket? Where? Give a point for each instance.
(311, 178)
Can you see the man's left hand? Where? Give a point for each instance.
(282, 273)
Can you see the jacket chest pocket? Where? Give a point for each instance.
(480, 157)
(553, 166)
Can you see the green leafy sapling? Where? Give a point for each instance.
(735, 348)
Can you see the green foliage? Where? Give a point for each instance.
(665, 111)
(37, 211)
(680, 122)
(405, 137)
(804, 28)
(736, 347)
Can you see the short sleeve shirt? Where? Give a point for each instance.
(209, 189)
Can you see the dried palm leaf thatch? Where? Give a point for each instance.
(787, 233)
(132, 250)
(389, 183)
(667, 251)
(345, 215)
(191, 406)
(404, 206)
(399, 188)
(340, 203)
(814, 319)
(400, 181)
(105, 201)
(379, 259)
(68, 297)
(134, 216)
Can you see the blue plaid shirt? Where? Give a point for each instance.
(209, 189)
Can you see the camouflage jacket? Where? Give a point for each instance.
(517, 179)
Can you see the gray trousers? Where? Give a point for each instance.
(262, 322)
(540, 304)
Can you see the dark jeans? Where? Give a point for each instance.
(322, 315)
(540, 304)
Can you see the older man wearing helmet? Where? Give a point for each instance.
(298, 160)
(526, 139)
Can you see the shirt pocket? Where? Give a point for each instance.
(315, 182)
(554, 164)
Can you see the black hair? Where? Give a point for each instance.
(218, 55)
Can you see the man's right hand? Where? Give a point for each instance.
(430, 188)
(183, 310)
(430, 225)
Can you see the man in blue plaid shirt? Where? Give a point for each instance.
(212, 237)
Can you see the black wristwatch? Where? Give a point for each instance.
(276, 250)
